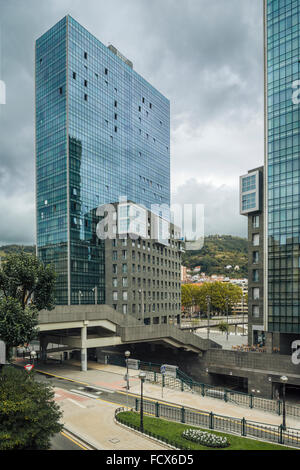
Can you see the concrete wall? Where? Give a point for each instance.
(261, 369)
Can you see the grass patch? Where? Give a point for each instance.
(162, 429)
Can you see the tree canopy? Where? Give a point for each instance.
(220, 296)
(28, 414)
(26, 287)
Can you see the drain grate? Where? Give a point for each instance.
(114, 441)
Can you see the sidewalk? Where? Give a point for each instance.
(112, 377)
(93, 421)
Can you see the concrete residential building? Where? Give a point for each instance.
(142, 267)
(252, 206)
(102, 132)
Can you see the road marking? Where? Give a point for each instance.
(266, 431)
(75, 442)
(79, 392)
(76, 403)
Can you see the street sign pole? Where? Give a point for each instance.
(2, 354)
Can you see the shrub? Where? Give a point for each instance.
(205, 438)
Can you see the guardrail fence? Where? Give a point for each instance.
(227, 424)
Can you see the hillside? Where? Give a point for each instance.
(10, 249)
(218, 252)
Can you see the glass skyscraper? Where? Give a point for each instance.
(282, 170)
(102, 132)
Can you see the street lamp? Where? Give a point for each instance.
(95, 290)
(227, 331)
(127, 354)
(33, 355)
(142, 376)
(283, 380)
(142, 301)
(208, 315)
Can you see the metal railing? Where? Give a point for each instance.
(185, 383)
(227, 424)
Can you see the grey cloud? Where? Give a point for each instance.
(205, 55)
(221, 207)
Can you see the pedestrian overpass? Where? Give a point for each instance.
(97, 326)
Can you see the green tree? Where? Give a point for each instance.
(26, 287)
(223, 327)
(17, 325)
(29, 416)
(25, 278)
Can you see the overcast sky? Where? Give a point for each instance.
(206, 56)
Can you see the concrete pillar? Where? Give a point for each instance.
(43, 347)
(83, 349)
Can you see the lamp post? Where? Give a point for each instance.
(208, 300)
(33, 355)
(243, 315)
(227, 331)
(127, 354)
(283, 380)
(142, 376)
(143, 307)
(95, 290)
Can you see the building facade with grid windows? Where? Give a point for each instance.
(102, 132)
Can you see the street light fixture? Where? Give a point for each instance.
(127, 354)
(227, 331)
(95, 290)
(142, 377)
(208, 299)
(283, 380)
(33, 356)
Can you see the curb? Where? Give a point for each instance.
(86, 441)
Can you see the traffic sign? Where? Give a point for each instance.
(163, 369)
(29, 367)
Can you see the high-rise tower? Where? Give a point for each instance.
(102, 132)
(282, 170)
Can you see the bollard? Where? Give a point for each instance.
(243, 427)
(211, 420)
(183, 415)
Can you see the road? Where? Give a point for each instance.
(64, 442)
(89, 414)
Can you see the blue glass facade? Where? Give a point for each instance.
(282, 27)
(102, 132)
